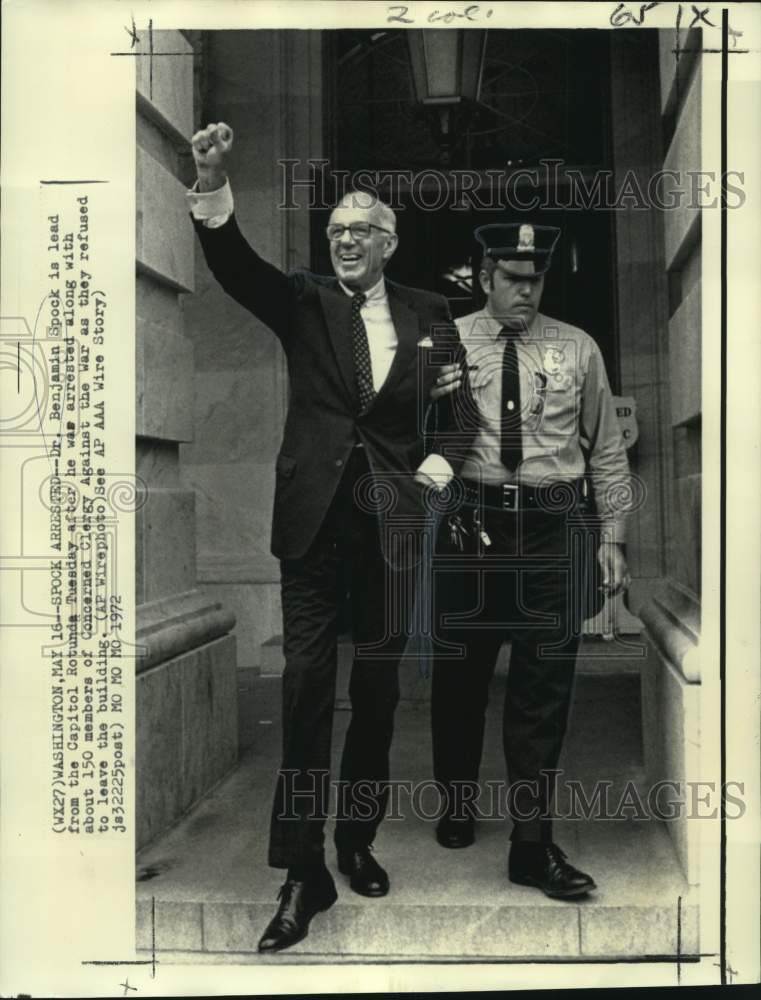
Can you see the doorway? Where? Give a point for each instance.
(545, 97)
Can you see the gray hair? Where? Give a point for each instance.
(368, 200)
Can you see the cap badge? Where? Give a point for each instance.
(526, 239)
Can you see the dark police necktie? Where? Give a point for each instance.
(511, 449)
(362, 365)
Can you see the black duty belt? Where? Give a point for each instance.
(554, 497)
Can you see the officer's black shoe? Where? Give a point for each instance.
(365, 874)
(545, 866)
(299, 902)
(456, 831)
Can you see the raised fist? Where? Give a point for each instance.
(210, 149)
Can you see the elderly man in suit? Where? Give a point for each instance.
(353, 433)
(508, 561)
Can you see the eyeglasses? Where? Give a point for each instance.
(358, 230)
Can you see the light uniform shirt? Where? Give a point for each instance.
(214, 208)
(566, 406)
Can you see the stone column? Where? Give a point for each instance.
(186, 683)
(660, 329)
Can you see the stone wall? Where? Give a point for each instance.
(185, 692)
(671, 611)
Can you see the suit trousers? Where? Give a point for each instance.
(523, 586)
(313, 589)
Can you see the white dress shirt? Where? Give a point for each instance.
(381, 332)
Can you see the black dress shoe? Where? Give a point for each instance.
(299, 901)
(545, 866)
(453, 831)
(365, 874)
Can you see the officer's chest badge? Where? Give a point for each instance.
(555, 365)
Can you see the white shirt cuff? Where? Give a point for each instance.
(213, 208)
(437, 469)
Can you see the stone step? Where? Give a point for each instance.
(205, 886)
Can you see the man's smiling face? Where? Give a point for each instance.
(359, 261)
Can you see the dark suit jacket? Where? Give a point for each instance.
(311, 316)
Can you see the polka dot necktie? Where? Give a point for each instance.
(511, 445)
(362, 365)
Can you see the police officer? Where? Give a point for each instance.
(506, 564)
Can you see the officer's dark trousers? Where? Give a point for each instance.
(519, 589)
(311, 597)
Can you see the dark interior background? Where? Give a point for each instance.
(544, 96)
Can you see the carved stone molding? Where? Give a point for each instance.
(176, 624)
(672, 619)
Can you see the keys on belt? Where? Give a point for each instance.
(459, 534)
(480, 530)
(508, 497)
